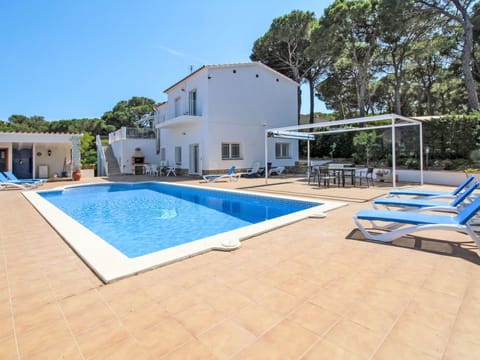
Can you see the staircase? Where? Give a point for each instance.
(113, 168)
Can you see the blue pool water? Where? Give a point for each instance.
(142, 218)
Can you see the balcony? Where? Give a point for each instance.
(181, 120)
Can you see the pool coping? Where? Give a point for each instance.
(110, 264)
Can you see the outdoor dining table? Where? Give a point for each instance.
(342, 172)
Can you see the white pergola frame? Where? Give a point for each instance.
(298, 132)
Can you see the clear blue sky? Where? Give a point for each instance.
(65, 59)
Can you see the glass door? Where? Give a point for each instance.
(4, 159)
(194, 159)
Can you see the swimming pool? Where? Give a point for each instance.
(122, 228)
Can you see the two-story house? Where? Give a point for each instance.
(214, 118)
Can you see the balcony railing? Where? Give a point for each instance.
(131, 133)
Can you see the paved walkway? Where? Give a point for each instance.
(310, 290)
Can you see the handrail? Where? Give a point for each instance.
(102, 163)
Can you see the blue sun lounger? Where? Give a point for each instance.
(11, 176)
(413, 192)
(417, 222)
(16, 184)
(426, 203)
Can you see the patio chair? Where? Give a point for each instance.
(9, 184)
(427, 203)
(252, 172)
(325, 175)
(428, 193)
(229, 175)
(11, 176)
(365, 175)
(415, 222)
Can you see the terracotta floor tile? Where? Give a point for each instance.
(96, 341)
(124, 349)
(193, 350)
(447, 284)
(254, 289)
(373, 318)
(43, 338)
(325, 350)
(85, 311)
(8, 348)
(354, 338)
(200, 318)
(460, 347)
(256, 318)
(144, 318)
(422, 338)
(65, 348)
(47, 314)
(393, 349)
(180, 301)
(6, 328)
(314, 318)
(298, 286)
(280, 302)
(438, 301)
(228, 301)
(286, 340)
(226, 339)
(168, 335)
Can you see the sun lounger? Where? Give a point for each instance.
(451, 194)
(11, 176)
(407, 222)
(252, 172)
(427, 203)
(278, 170)
(229, 175)
(9, 184)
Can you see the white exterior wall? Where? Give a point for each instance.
(243, 104)
(124, 149)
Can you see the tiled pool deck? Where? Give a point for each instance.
(311, 290)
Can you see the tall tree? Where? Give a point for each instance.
(348, 32)
(283, 47)
(400, 28)
(458, 11)
(128, 113)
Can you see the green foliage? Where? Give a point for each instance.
(128, 113)
(453, 136)
(364, 144)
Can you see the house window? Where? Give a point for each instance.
(178, 155)
(163, 156)
(192, 102)
(282, 150)
(230, 151)
(178, 111)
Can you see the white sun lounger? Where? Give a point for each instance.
(229, 175)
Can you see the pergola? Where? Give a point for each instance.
(308, 132)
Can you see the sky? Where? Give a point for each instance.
(71, 59)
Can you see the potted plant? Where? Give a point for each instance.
(76, 174)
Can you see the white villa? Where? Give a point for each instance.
(216, 117)
(39, 155)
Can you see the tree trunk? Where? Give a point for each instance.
(466, 65)
(299, 103)
(311, 86)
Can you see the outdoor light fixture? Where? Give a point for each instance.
(49, 152)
